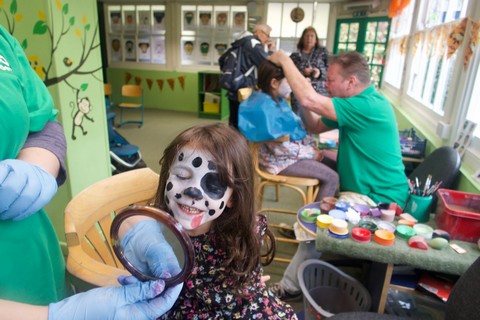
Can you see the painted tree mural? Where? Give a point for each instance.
(68, 30)
(11, 15)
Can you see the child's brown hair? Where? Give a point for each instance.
(236, 227)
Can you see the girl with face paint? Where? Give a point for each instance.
(207, 184)
(266, 116)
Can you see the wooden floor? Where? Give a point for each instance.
(161, 127)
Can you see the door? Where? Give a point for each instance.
(368, 36)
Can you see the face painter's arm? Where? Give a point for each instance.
(302, 89)
(313, 121)
(15, 310)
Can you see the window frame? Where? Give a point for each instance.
(457, 99)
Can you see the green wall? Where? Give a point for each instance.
(61, 40)
(162, 89)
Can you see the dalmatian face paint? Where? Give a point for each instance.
(193, 192)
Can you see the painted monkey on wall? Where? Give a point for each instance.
(83, 108)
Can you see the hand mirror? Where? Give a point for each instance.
(148, 241)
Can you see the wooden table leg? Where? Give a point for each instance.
(378, 282)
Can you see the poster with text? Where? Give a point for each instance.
(158, 21)
(204, 51)
(189, 20)
(116, 49)
(144, 22)
(129, 21)
(465, 137)
(219, 48)
(143, 49)
(129, 45)
(188, 55)
(239, 21)
(115, 21)
(158, 50)
(205, 22)
(221, 22)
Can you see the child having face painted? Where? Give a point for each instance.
(207, 184)
(266, 116)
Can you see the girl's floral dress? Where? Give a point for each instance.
(207, 293)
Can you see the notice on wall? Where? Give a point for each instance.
(130, 52)
(144, 21)
(116, 49)
(143, 49)
(465, 137)
(158, 21)
(158, 50)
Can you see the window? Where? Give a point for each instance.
(368, 36)
(286, 32)
(436, 84)
(433, 59)
(207, 31)
(136, 33)
(397, 46)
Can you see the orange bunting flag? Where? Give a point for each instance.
(396, 7)
(149, 83)
(456, 37)
(403, 45)
(138, 80)
(472, 43)
(443, 39)
(160, 84)
(171, 83)
(128, 76)
(416, 42)
(181, 79)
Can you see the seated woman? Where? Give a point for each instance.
(266, 116)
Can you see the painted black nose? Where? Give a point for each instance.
(193, 193)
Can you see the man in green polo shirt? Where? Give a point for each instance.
(369, 158)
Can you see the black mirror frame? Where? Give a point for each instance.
(168, 221)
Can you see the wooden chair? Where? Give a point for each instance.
(88, 217)
(307, 188)
(132, 98)
(107, 89)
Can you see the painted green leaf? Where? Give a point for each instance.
(40, 27)
(24, 44)
(71, 21)
(87, 27)
(84, 86)
(13, 7)
(65, 8)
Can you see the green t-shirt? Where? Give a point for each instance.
(369, 158)
(32, 268)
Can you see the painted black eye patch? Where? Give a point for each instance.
(212, 186)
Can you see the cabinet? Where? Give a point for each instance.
(212, 100)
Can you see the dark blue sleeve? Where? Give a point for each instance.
(257, 54)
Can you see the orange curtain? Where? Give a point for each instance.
(396, 7)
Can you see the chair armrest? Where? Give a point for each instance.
(283, 138)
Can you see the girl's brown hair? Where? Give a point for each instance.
(266, 72)
(236, 226)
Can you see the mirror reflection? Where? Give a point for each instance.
(151, 244)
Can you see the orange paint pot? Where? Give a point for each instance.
(384, 237)
(406, 222)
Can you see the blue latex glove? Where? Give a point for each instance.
(136, 301)
(24, 189)
(146, 248)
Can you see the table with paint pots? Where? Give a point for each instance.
(383, 258)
